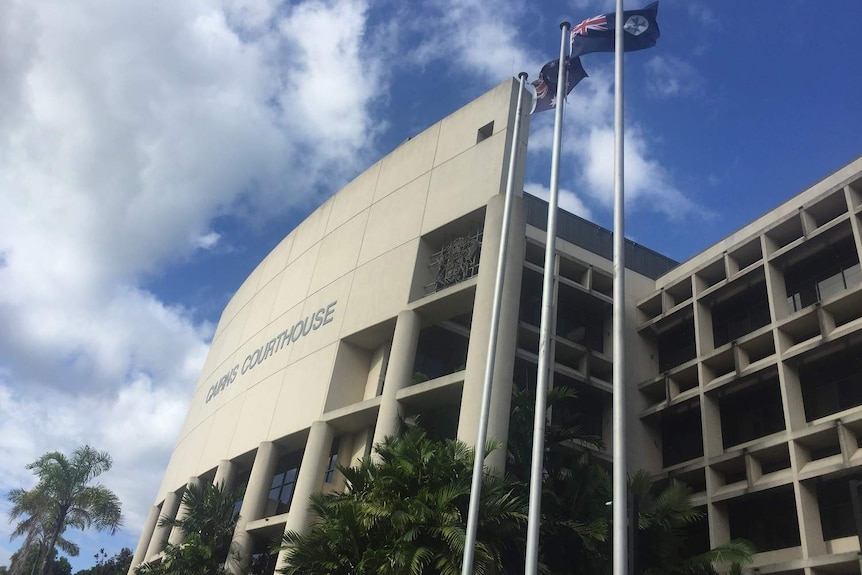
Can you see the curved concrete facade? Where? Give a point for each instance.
(317, 346)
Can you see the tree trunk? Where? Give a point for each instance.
(52, 540)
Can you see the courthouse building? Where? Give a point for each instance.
(744, 363)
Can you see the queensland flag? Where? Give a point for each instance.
(597, 34)
(546, 85)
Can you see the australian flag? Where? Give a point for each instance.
(546, 85)
(596, 34)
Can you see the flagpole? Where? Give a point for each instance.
(620, 479)
(481, 436)
(545, 331)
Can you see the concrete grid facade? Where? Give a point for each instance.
(744, 362)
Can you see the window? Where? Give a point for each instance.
(822, 275)
(676, 346)
(740, 315)
(750, 413)
(767, 519)
(831, 384)
(440, 351)
(836, 508)
(329, 474)
(283, 484)
(681, 434)
(241, 482)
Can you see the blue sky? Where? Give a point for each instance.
(152, 154)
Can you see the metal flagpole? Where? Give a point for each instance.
(545, 335)
(620, 479)
(481, 436)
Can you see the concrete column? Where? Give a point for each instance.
(161, 533)
(253, 504)
(718, 523)
(225, 473)
(507, 338)
(146, 537)
(808, 518)
(398, 373)
(309, 480)
(177, 535)
(704, 341)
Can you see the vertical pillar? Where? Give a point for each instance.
(253, 505)
(808, 518)
(160, 535)
(309, 480)
(398, 373)
(507, 337)
(718, 522)
(146, 537)
(177, 535)
(224, 473)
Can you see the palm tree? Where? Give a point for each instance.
(64, 498)
(208, 524)
(574, 518)
(406, 514)
(664, 518)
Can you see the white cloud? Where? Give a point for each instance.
(569, 201)
(125, 129)
(479, 37)
(207, 241)
(588, 152)
(671, 76)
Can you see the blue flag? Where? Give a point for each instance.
(546, 85)
(596, 34)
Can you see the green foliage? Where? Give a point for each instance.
(575, 528)
(116, 565)
(664, 518)
(404, 512)
(575, 520)
(28, 562)
(63, 498)
(208, 525)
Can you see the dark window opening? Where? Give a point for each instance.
(585, 410)
(531, 298)
(775, 464)
(439, 423)
(752, 412)
(263, 562)
(580, 319)
(332, 462)
(676, 346)
(524, 374)
(824, 451)
(831, 384)
(836, 509)
(767, 519)
(241, 483)
(439, 352)
(283, 483)
(485, 132)
(681, 434)
(740, 315)
(822, 275)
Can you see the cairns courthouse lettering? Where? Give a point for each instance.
(301, 328)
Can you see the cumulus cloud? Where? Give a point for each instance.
(671, 76)
(125, 130)
(480, 37)
(588, 152)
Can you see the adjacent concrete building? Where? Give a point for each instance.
(745, 362)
